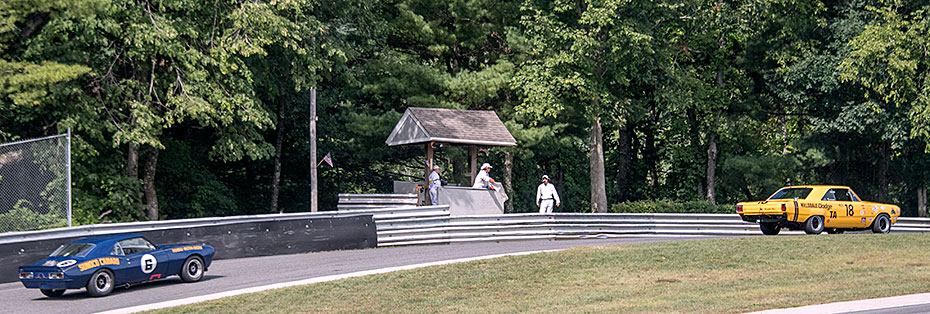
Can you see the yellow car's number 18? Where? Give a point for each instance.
(849, 211)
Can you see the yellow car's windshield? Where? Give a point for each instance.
(791, 193)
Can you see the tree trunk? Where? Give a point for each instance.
(458, 171)
(695, 149)
(700, 190)
(276, 176)
(151, 197)
(508, 182)
(711, 167)
(132, 161)
(623, 174)
(921, 201)
(598, 188)
(784, 134)
(882, 175)
(651, 151)
(838, 169)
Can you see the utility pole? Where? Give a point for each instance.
(313, 191)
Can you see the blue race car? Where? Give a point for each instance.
(100, 263)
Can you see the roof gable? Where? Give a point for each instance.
(472, 127)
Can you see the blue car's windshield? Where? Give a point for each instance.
(73, 249)
(791, 193)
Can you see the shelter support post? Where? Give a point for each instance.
(429, 161)
(473, 162)
(429, 168)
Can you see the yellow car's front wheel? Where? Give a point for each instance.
(881, 224)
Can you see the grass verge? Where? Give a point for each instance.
(712, 276)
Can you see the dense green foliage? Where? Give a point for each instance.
(665, 206)
(183, 108)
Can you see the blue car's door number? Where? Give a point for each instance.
(148, 263)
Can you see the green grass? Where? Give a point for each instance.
(713, 276)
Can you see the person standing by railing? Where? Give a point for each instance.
(483, 179)
(434, 184)
(546, 195)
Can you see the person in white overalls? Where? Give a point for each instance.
(434, 185)
(546, 195)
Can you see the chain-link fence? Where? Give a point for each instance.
(35, 184)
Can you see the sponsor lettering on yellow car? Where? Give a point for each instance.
(818, 208)
(187, 248)
(98, 262)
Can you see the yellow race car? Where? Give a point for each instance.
(818, 208)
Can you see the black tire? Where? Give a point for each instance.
(882, 224)
(769, 228)
(834, 231)
(813, 225)
(192, 270)
(100, 283)
(53, 293)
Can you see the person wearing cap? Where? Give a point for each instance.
(546, 195)
(434, 184)
(483, 180)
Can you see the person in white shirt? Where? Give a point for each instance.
(483, 180)
(434, 184)
(546, 195)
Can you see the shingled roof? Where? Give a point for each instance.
(470, 127)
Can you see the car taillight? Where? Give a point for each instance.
(739, 208)
(56, 275)
(25, 275)
(784, 208)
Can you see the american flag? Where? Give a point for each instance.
(329, 160)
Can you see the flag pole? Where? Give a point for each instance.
(313, 191)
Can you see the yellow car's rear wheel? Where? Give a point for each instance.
(814, 225)
(769, 228)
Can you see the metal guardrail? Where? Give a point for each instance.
(379, 214)
(436, 230)
(371, 201)
(415, 225)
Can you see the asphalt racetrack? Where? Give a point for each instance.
(234, 274)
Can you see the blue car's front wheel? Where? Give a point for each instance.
(100, 283)
(192, 270)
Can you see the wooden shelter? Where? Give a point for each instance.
(434, 126)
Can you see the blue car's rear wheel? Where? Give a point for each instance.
(192, 270)
(100, 283)
(53, 293)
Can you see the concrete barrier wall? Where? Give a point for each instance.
(232, 240)
(469, 201)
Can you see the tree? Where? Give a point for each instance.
(581, 63)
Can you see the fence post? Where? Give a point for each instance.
(68, 167)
